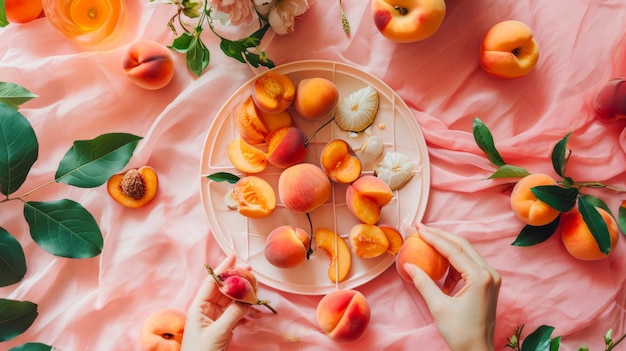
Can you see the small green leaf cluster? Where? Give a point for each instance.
(562, 197)
(197, 55)
(541, 340)
(61, 227)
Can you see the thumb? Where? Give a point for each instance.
(423, 283)
(233, 313)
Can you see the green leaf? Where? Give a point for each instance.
(182, 43)
(560, 198)
(257, 60)
(539, 340)
(14, 95)
(64, 228)
(555, 344)
(90, 163)
(12, 260)
(15, 318)
(622, 217)
(484, 139)
(508, 171)
(558, 155)
(597, 225)
(533, 235)
(596, 202)
(233, 49)
(32, 346)
(223, 177)
(198, 56)
(3, 15)
(19, 149)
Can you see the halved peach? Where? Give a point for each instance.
(246, 157)
(273, 121)
(367, 240)
(249, 123)
(393, 236)
(273, 92)
(366, 196)
(337, 248)
(340, 162)
(135, 188)
(374, 188)
(286, 147)
(254, 196)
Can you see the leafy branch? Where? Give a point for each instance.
(562, 197)
(541, 340)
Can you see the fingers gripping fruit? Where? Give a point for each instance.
(240, 285)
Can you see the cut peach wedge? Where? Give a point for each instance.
(393, 236)
(337, 248)
(367, 240)
(366, 196)
(246, 157)
(340, 162)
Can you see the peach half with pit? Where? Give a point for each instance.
(162, 331)
(273, 92)
(254, 125)
(315, 97)
(135, 188)
(148, 64)
(366, 196)
(286, 246)
(418, 252)
(338, 251)
(343, 315)
(340, 162)
(303, 187)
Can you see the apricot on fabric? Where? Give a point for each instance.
(577, 237)
(135, 188)
(525, 204)
(149, 64)
(343, 315)
(22, 11)
(162, 331)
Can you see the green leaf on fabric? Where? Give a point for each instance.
(533, 235)
(223, 177)
(558, 155)
(3, 15)
(257, 60)
(484, 139)
(15, 317)
(182, 43)
(555, 344)
(539, 340)
(32, 346)
(198, 56)
(19, 149)
(64, 228)
(597, 225)
(12, 260)
(622, 217)
(560, 198)
(14, 95)
(508, 171)
(90, 163)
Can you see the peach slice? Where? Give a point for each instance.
(254, 196)
(393, 236)
(343, 315)
(340, 162)
(286, 246)
(246, 157)
(286, 147)
(273, 92)
(337, 248)
(367, 240)
(366, 197)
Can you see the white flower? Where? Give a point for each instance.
(239, 11)
(282, 15)
(263, 6)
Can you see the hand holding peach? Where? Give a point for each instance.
(509, 50)
(465, 320)
(406, 21)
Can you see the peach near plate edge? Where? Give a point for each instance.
(244, 237)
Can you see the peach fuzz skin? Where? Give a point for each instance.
(22, 11)
(286, 246)
(303, 187)
(162, 331)
(579, 241)
(406, 21)
(315, 97)
(149, 65)
(418, 252)
(509, 50)
(525, 204)
(366, 197)
(343, 315)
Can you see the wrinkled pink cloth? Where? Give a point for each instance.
(153, 257)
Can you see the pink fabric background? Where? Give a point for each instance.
(153, 257)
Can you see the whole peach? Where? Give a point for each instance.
(577, 237)
(315, 97)
(610, 103)
(162, 331)
(286, 246)
(525, 204)
(149, 64)
(509, 50)
(22, 11)
(303, 187)
(344, 315)
(420, 253)
(406, 21)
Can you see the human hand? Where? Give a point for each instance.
(212, 316)
(466, 320)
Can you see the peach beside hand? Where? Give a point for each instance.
(466, 320)
(509, 50)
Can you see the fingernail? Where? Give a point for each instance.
(410, 268)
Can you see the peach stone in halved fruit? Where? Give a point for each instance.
(337, 248)
(339, 162)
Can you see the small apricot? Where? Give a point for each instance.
(340, 162)
(577, 237)
(367, 240)
(273, 92)
(525, 204)
(286, 246)
(22, 11)
(254, 196)
(163, 331)
(135, 188)
(315, 97)
(418, 252)
(337, 248)
(343, 315)
(149, 64)
(303, 187)
(246, 157)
